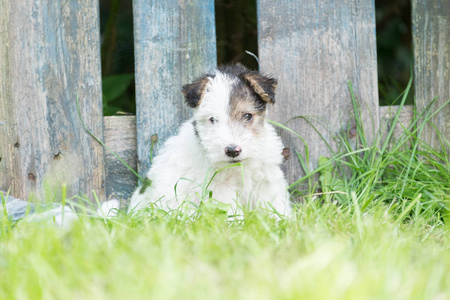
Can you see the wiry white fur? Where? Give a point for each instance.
(188, 161)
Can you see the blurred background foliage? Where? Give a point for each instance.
(236, 28)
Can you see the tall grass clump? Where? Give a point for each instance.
(403, 173)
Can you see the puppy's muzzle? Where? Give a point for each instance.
(233, 151)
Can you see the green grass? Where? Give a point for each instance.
(378, 230)
(325, 252)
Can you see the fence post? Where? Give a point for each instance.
(175, 42)
(49, 56)
(315, 48)
(431, 39)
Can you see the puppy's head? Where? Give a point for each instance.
(230, 108)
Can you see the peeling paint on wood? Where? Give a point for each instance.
(49, 55)
(175, 42)
(314, 48)
(431, 39)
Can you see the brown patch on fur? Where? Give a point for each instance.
(244, 101)
(262, 85)
(194, 92)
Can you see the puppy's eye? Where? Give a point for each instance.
(213, 120)
(248, 117)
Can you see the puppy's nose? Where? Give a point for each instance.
(232, 151)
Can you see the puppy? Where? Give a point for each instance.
(227, 151)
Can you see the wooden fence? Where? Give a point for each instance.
(50, 57)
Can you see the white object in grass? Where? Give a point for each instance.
(109, 208)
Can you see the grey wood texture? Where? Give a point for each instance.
(175, 42)
(431, 39)
(387, 116)
(120, 137)
(49, 54)
(314, 48)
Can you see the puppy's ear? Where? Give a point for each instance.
(264, 86)
(194, 92)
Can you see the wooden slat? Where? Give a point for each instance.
(7, 172)
(120, 137)
(175, 42)
(314, 48)
(431, 38)
(49, 54)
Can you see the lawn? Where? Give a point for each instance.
(325, 251)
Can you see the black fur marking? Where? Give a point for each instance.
(194, 124)
(263, 86)
(193, 92)
(242, 91)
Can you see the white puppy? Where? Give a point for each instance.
(228, 132)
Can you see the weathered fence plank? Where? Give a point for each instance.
(49, 55)
(120, 137)
(315, 48)
(431, 39)
(175, 41)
